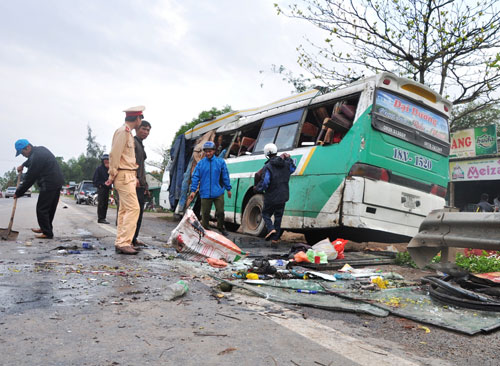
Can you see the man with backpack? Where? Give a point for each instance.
(274, 184)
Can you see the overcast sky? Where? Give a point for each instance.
(68, 64)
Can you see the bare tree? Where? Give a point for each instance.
(451, 46)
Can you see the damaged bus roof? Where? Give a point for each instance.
(230, 121)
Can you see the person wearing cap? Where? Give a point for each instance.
(209, 173)
(100, 177)
(274, 184)
(142, 132)
(123, 174)
(43, 169)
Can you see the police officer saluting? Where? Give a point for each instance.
(123, 174)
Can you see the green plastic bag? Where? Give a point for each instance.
(322, 256)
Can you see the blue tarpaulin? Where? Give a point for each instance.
(178, 156)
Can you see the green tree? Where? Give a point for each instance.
(9, 179)
(474, 115)
(94, 149)
(451, 46)
(202, 117)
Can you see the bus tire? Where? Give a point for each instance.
(252, 222)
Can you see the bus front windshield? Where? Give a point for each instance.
(407, 116)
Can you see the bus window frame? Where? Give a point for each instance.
(330, 102)
(298, 122)
(406, 133)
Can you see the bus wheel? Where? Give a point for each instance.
(252, 222)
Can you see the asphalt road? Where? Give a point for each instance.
(101, 308)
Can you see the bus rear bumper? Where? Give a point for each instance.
(384, 206)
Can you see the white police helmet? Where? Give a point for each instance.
(270, 149)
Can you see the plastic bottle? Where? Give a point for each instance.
(175, 290)
(87, 245)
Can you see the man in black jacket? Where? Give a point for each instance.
(100, 177)
(43, 169)
(274, 183)
(141, 133)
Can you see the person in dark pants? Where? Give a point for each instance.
(274, 184)
(43, 169)
(141, 133)
(100, 177)
(212, 176)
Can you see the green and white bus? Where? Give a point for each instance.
(372, 159)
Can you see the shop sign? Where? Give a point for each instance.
(483, 169)
(474, 142)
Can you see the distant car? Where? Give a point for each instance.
(28, 193)
(83, 190)
(10, 191)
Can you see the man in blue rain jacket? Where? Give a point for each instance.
(212, 176)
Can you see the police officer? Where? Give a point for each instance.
(274, 183)
(45, 170)
(123, 174)
(209, 173)
(100, 177)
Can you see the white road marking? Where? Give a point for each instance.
(349, 347)
(90, 218)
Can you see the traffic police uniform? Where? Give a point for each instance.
(123, 172)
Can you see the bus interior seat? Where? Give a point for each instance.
(338, 122)
(247, 144)
(320, 113)
(308, 133)
(348, 110)
(309, 130)
(235, 147)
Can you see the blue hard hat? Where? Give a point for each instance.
(209, 145)
(21, 144)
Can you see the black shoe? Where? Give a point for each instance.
(224, 232)
(126, 250)
(103, 221)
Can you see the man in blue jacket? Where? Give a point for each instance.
(212, 176)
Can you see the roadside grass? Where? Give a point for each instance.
(473, 264)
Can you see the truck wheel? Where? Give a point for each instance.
(252, 222)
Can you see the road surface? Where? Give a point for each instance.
(101, 308)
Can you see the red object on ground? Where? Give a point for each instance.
(339, 245)
(301, 257)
